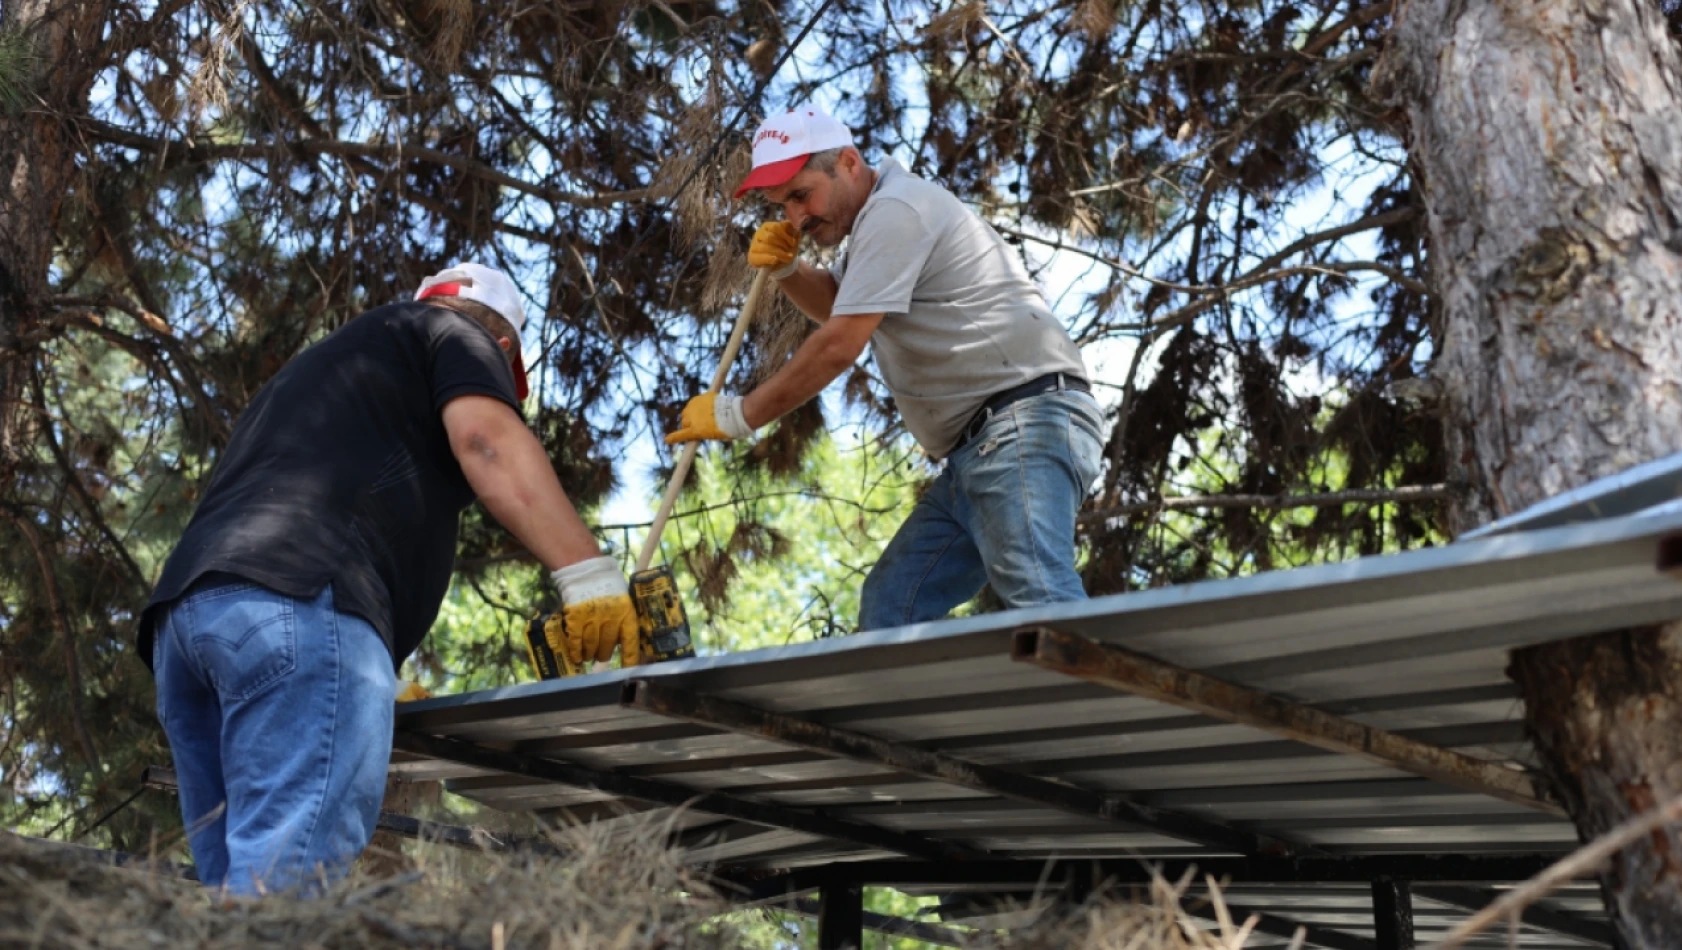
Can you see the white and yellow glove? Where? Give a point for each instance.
(599, 615)
(713, 416)
(775, 247)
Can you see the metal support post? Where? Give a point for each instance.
(1392, 914)
(841, 917)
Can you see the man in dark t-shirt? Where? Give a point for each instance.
(318, 558)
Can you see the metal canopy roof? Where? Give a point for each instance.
(933, 741)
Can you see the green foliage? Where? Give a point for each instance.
(769, 560)
(17, 70)
(781, 930)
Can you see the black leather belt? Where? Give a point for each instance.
(1050, 382)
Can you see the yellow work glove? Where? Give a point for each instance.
(408, 692)
(596, 613)
(774, 246)
(711, 416)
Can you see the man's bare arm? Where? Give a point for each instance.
(512, 476)
(812, 289)
(825, 355)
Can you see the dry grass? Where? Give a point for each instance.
(1159, 919)
(615, 890)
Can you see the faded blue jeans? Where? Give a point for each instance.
(1001, 513)
(280, 710)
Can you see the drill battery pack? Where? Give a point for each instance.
(548, 664)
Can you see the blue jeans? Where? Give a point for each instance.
(1002, 512)
(279, 714)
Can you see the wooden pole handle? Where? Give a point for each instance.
(686, 459)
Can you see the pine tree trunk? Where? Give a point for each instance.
(63, 37)
(1604, 713)
(1547, 138)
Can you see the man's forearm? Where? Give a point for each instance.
(825, 355)
(812, 289)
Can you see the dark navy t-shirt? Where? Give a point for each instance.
(340, 472)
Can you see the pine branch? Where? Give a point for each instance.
(177, 152)
(1214, 296)
(1415, 493)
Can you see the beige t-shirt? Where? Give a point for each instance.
(963, 321)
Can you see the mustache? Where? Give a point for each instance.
(809, 225)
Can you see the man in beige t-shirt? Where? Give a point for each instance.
(982, 373)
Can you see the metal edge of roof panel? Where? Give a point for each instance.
(1640, 488)
(1461, 565)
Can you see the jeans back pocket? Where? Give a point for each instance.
(244, 638)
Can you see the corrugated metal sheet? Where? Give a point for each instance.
(1414, 643)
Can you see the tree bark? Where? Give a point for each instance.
(37, 166)
(1546, 139)
(1603, 712)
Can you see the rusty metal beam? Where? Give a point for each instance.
(1124, 670)
(652, 697)
(677, 796)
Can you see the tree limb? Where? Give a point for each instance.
(1216, 295)
(181, 152)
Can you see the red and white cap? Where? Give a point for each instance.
(492, 288)
(784, 142)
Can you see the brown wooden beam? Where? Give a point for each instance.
(1124, 670)
(652, 697)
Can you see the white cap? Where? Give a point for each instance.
(488, 286)
(783, 142)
